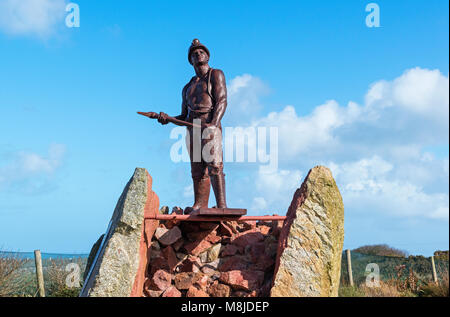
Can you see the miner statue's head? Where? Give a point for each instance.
(198, 53)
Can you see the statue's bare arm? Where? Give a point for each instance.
(219, 93)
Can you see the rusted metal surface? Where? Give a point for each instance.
(220, 212)
(220, 218)
(154, 115)
(204, 101)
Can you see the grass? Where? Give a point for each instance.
(58, 276)
(440, 289)
(411, 286)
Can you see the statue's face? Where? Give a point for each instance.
(199, 57)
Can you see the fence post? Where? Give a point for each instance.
(433, 266)
(39, 272)
(349, 267)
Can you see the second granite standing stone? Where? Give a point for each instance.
(311, 240)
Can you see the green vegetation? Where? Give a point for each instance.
(399, 275)
(18, 276)
(350, 291)
(381, 250)
(390, 267)
(441, 255)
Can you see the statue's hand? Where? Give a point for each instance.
(162, 118)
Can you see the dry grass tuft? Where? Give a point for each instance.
(441, 289)
(56, 275)
(385, 289)
(13, 278)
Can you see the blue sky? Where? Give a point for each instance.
(370, 103)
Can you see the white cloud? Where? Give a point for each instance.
(420, 91)
(34, 163)
(372, 184)
(244, 93)
(298, 135)
(31, 168)
(31, 17)
(376, 150)
(404, 114)
(278, 181)
(259, 203)
(274, 189)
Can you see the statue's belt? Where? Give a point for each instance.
(202, 110)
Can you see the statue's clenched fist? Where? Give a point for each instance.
(162, 118)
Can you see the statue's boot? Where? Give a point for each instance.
(202, 188)
(218, 184)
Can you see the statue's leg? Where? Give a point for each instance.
(216, 171)
(202, 185)
(218, 183)
(200, 178)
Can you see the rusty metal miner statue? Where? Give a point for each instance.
(204, 101)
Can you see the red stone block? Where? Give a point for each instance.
(177, 245)
(257, 250)
(233, 263)
(158, 263)
(247, 238)
(202, 283)
(187, 227)
(195, 292)
(243, 280)
(171, 292)
(171, 257)
(152, 293)
(210, 268)
(210, 236)
(248, 225)
(160, 281)
(197, 247)
(219, 290)
(191, 264)
(230, 249)
(264, 230)
(187, 279)
(263, 263)
(168, 237)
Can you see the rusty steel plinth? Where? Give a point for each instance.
(220, 212)
(221, 218)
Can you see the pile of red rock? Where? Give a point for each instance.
(212, 259)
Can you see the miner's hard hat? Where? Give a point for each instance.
(195, 45)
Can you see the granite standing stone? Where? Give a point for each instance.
(119, 258)
(311, 240)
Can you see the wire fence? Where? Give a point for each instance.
(391, 267)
